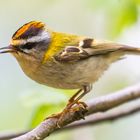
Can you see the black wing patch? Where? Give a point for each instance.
(71, 54)
(87, 43)
(75, 53)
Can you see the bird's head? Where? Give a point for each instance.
(32, 39)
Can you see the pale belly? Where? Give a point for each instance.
(70, 76)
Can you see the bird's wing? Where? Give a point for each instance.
(86, 49)
(71, 54)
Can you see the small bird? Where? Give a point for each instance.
(62, 60)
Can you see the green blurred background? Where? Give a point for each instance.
(24, 103)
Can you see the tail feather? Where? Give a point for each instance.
(130, 50)
(105, 47)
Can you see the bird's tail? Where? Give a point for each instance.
(108, 47)
(130, 50)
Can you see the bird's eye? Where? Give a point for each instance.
(27, 46)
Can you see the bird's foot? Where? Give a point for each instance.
(70, 108)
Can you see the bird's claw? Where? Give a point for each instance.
(60, 116)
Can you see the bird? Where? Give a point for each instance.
(62, 60)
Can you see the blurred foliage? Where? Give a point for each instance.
(119, 14)
(44, 103)
(42, 112)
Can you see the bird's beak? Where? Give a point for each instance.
(8, 49)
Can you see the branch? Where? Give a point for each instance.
(99, 104)
(104, 103)
(101, 117)
(96, 118)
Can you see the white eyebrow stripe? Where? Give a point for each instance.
(43, 36)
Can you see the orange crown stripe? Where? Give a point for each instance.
(25, 27)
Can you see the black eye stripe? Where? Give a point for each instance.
(27, 46)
